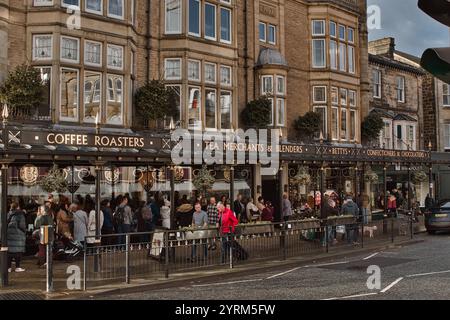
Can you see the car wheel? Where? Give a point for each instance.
(431, 232)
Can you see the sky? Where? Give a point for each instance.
(413, 30)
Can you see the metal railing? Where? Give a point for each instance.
(155, 255)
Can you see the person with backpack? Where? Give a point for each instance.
(350, 208)
(123, 217)
(16, 236)
(43, 219)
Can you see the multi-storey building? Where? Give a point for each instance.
(217, 55)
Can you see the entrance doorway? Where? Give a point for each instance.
(271, 192)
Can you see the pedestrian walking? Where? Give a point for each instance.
(228, 223)
(199, 220)
(287, 208)
(350, 208)
(81, 221)
(16, 237)
(123, 218)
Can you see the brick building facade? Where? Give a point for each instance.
(310, 55)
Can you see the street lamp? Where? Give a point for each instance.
(97, 123)
(4, 205)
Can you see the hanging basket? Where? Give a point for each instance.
(203, 180)
(302, 178)
(419, 177)
(54, 181)
(371, 177)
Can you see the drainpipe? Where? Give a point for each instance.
(246, 50)
(148, 38)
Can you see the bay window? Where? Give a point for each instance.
(333, 55)
(210, 72)
(267, 85)
(352, 125)
(176, 100)
(115, 57)
(194, 70)
(225, 76)
(351, 59)
(93, 53)
(342, 57)
(94, 6)
(322, 110)
(320, 94)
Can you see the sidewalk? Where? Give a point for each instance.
(31, 284)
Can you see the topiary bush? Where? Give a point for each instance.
(308, 125)
(258, 113)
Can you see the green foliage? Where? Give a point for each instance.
(154, 101)
(54, 181)
(257, 114)
(203, 180)
(419, 176)
(23, 88)
(308, 125)
(371, 127)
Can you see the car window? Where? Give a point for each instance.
(446, 205)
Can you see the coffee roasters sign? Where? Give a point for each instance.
(91, 140)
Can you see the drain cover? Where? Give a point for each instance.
(21, 295)
(363, 265)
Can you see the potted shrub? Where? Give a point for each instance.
(155, 102)
(257, 113)
(22, 90)
(371, 128)
(308, 126)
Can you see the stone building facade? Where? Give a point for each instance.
(396, 96)
(217, 55)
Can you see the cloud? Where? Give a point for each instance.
(413, 30)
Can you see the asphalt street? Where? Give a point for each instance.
(420, 271)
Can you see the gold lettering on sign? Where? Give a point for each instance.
(267, 10)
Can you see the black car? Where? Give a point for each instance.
(438, 218)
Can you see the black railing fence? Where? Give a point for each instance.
(155, 255)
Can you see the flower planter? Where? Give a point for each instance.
(254, 229)
(197, 234)
(339, 221)
(305, 225)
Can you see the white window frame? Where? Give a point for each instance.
(231, 109)
(61, 49)
(341, 101)
(199, 63)
(93, 93)
(93, 11)
(323, 27)
(334, 36)
(180, 69)
(215, 21)
(66, 119)
(230, 23)
(353, 126)
(283, 122)
(387, 124)
(272, 120)
(349, 97)
(216, 109)
(342, 48)
(347, 133)
(377, 85)
(231, 76)
(180, 19)
(401, 86)
(334, 57)
(35, 58)
(281, 79)
(446, 127)
(324, 65)
(114, 16)
(339, 32)
(446, 88)
(352, 32)
(335, 125)
(269, 26)
(85, 53)
(351, 60)
(215, 72)
(265, 32)
(324, 95)
(200, 106)
(335, 89)
(109, 45)
(199, 19)
(263, 91)
(67, 5)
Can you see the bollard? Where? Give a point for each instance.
(46, 238)
(127, 259)
(230, 244)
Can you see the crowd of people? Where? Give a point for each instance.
(75, 221)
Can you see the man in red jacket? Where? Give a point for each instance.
(228, 222)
